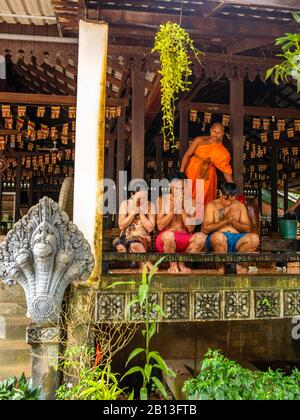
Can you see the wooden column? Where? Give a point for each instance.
(111, 170)
(286, 195)
(18, 188)
(183, 130)
(120, 150)
(90, 136)
(111, 157)
(138, 122)
(274, 189)
(158, 156)
(121, 142)
(237, 129)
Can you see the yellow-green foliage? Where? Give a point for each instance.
(173, 44)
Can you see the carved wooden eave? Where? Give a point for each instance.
(54, 54)
(228, 66)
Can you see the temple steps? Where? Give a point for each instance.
(14, 352)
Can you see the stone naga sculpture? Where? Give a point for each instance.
(44, 253)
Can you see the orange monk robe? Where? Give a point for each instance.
(203, 164)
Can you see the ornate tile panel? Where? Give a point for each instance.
(207, 305)
(237, 305)
(267, 303)
(177, 306)
(136, 314)
(110, 307)
(291, 302)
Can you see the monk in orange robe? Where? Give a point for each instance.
(203, 157)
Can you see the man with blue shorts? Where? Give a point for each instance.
(227, 224)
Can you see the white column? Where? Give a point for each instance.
(90, 132)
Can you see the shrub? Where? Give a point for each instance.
(224, 379)
(18, 389)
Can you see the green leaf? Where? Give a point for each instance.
(143, 290)
(155, 268)
(160, 387)
(152, 330)
(121, 283)
(160, 361)
(131, 396)
(144, 275)
(148, 370)
(134, 369)
(143, 394)
(269, 73)
(134, 301)
(134, 353)
(158, 309)
(296, 16)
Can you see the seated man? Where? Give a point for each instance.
(176, 234)
(136, 222)
(227, 224)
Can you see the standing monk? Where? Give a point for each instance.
(203, 157)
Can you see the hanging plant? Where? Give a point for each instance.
(290, 67)
(174, 45)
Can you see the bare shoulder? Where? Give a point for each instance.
(210, 206)
(202, 139)
(241, 206)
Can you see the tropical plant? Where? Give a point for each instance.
(290, 66)
(92, 382)
(224, 379)
(19, 389)
(142, 304)
(173, 44)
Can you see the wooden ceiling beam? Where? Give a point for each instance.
(281, 4)
(203, 26)
(41, 99)
(249, 110)
(209, 8)
(247, 44)
(145, 52)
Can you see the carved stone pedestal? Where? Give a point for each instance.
(45, 253)
(45, 344)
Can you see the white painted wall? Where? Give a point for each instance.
(91, 85)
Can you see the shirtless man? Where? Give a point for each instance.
(176, 234)
(136, 222)
(227, 224)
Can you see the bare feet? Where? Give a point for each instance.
(184, 269)
(147, 264)
(241, 270)
(220, 268)
(173, 267)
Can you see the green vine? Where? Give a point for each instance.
(173, 44)
(290, 66)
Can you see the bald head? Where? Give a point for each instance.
(218, 125)
(217, 132)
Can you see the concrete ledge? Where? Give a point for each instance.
(203, 298)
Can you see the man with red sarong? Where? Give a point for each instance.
(204, 156)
